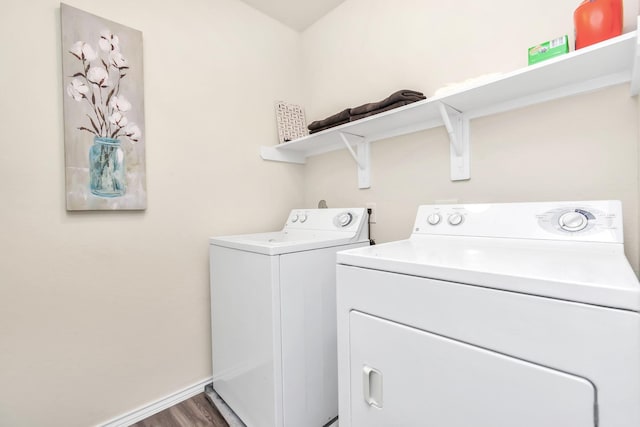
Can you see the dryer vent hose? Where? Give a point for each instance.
(371, 241)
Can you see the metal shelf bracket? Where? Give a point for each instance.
(457, 125)
(361, 155)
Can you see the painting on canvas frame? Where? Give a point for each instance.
(104, 134)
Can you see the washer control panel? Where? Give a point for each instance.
(347, 219)
(598, 221)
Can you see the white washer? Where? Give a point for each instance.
(274, 317)
(492, 315)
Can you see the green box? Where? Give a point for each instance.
(548, 50)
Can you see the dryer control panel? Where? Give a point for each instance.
(583, 220)
(594, 221)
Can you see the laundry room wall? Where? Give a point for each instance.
(103, 312)
(578, 148)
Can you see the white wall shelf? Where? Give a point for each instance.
(605, 64)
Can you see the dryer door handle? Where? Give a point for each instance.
(372, 386)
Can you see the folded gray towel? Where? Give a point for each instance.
(401, 95)
(330, 125)
(387, 108)
(395, 100)
(342, 116)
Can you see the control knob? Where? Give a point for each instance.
(573, 221)
(455, 219)
(344, 219)
(433, 219)
(294, 218)
(303, 217)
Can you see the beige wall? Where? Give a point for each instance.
(101, 313)
(584, 147)
(365, 49)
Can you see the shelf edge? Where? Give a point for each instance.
(273, 154)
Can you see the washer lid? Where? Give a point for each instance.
(280, 242)
(591, 273)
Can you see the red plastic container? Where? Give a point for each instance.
(597, 20)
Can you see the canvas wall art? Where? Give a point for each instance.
(104, 135)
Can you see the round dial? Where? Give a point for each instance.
(573, 221)
(294, 218)
(455, 219)
(344, 219)
(434, 219)
(303, 217)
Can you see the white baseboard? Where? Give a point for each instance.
(152, 408)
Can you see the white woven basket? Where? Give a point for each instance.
(291, 122)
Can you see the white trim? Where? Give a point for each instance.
(152, 408)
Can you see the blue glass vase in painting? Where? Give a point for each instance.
(106, 167)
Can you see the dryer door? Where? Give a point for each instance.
(406, 377)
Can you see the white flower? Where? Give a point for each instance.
(98, 76)
(117, 60)
(108, 41)
(133, 132)
(120, 103)
(118, 119)
(83, 51)
(76, 89)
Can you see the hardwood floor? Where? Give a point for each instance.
(194, 412)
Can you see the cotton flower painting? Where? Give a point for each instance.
(103, 113)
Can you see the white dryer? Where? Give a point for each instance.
(274, 317)
(492, 315)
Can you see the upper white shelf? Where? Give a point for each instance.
(608, 63)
